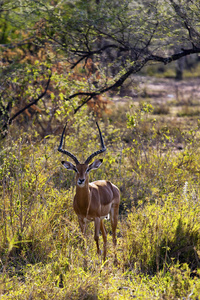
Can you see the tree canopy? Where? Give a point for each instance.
(68, 53)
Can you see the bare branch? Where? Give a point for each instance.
(132, 70)
(86, 54)
(176, 56)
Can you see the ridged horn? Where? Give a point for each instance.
(103, 148)
(65, 151)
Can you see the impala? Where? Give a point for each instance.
(96, 200)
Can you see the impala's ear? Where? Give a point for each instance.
(95, 165)
(69, 166)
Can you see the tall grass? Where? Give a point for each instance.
(43, 252)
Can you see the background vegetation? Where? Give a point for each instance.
(56, 57)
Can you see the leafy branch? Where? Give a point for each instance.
(33, 102)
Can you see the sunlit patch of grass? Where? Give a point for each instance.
(103, 282)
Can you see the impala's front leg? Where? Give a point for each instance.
(82, 224)
(96, 233)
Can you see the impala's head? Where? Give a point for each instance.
(82, 170)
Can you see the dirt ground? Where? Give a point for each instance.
(162, 91)
(169, 89)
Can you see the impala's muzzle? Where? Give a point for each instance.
(81, 182)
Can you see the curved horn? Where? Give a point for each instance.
(65, 151)
(103, 148)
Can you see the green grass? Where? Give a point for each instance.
(42, 249)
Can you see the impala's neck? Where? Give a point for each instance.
(83, 195)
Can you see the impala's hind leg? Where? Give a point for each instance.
(114, 219)
(104, 234)
(96, 233)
